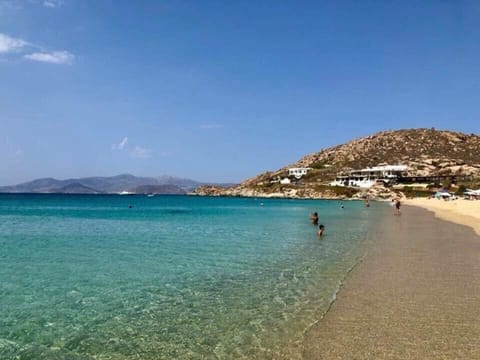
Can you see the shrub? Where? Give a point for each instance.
(447, 184)
(319, 164)
(338, 190)
(411, 192)
(461, 189)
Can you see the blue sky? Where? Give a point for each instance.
(223, 90)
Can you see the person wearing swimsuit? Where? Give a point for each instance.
(397, 206)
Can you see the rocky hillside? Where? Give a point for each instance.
(424, 151)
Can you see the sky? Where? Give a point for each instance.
(223, 90)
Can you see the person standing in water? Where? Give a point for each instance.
(314, 218)
(320, 231)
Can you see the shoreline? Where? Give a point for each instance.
(414, 295)
(460, 211)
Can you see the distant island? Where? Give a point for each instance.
(125, 183)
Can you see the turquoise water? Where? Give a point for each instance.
(171, 277)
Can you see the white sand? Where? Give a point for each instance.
(465, 212)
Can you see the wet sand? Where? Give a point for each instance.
(416, 295)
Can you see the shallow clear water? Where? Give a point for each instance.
(172, 277)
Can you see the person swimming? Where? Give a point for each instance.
(314, 218)
(320, 231)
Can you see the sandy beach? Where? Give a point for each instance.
(415, 295)
(466, 212)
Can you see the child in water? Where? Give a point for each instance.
(320, 231)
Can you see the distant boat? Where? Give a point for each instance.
(124, 193)
(150, 195)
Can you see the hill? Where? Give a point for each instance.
(75, 188)
(425, 151)
(107, 185)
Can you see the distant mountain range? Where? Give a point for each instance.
(109, 185)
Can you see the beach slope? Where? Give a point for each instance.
(416, 295)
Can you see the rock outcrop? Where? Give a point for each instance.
(426, 152)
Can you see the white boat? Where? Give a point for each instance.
(124, 193)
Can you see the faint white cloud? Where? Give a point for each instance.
(11, 44)
(121, 145)
(54, 57)
(136, 152)
(211, 126)
(139, 152)
(21, 4)
(52, 3)
(19, 152)
(7, 6)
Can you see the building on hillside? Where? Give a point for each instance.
(365, 178)
(280, 180)
(298, 172)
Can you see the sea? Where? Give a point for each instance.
(170, 277)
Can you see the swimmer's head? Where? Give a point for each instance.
(321, 227)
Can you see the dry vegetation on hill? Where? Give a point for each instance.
(424, 151)
(421, 149)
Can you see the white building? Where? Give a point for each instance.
(365, 178)
(298, 172)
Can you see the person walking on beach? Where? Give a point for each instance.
(320, 231)
(397, 206)
(314, 218)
